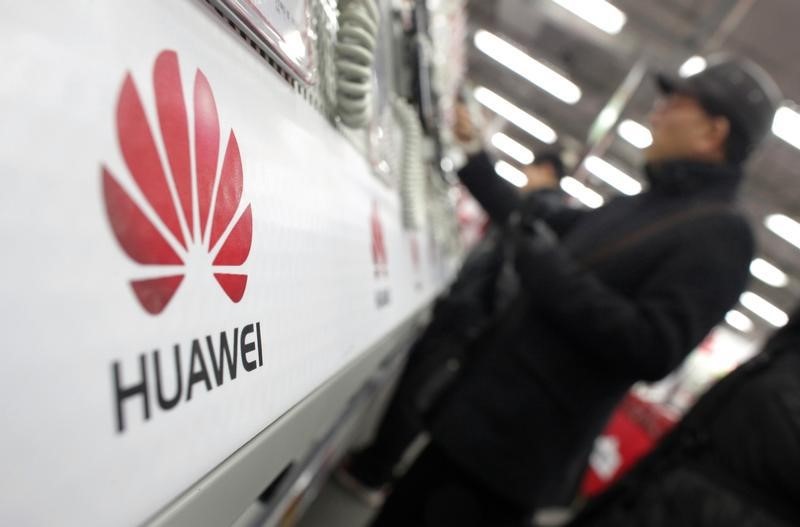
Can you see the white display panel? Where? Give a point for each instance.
(115, 176)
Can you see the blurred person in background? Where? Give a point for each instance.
(544, 175)
(436, 357)
(598, 300)
(733, 460)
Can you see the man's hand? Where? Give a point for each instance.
(540, 262)
(464, 128)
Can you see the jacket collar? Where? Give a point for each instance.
(692, 177)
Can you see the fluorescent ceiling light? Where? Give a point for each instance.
(785, 227)
(599, 13)
(512, 148)
(768, 273)
(764, 309)
(692, 66)
(581, 192)
(613, 176)
(786, 125)
(636, 134)
(739, 321)
(531, 69)
(509, 173)
(515, 115)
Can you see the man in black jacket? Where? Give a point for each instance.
(733, 460)
(625, 295)
(459, 316)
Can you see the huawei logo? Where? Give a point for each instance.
(379, 259)
(415, 253)
(181, 213)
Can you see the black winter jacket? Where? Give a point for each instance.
(733, 460)
(587, 325)
(470, 301)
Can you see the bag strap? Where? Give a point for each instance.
(648, 231)
(606, 251)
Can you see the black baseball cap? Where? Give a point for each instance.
(735, 88)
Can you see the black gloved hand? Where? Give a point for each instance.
(541, 263)
(533, 230)
(540, 205)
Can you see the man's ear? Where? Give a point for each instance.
(720, 130)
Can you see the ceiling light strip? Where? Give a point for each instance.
(527, 67)
(515, 115)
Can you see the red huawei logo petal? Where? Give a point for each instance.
(189, 214)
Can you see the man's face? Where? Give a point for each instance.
(540, 177)
(683, 130)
